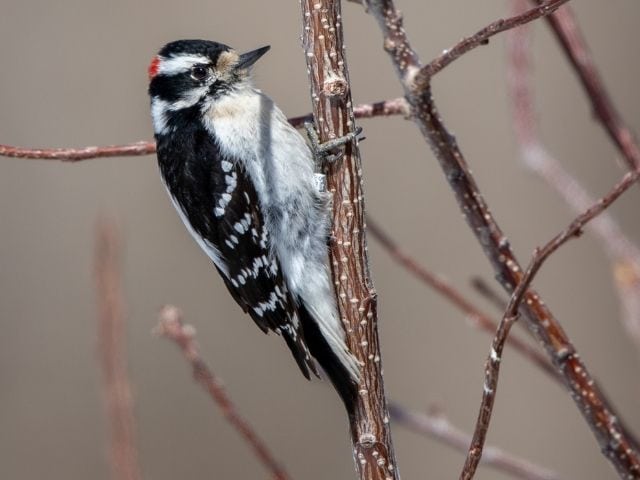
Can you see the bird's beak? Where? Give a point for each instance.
(249, 58)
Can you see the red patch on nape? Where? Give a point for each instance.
(153, 67)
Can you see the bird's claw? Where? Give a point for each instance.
(323, 152)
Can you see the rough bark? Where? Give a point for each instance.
(357, 302)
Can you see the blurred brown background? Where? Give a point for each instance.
(74, 73)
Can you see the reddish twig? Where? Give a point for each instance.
(385, 108)
(437, 426)
(112, 346)
(624, 253)
(356, 298)
(77, 154)
(477, 318)
(568, 33)
(626, 462)
(595, 408)
(482, 38)
(172, 327)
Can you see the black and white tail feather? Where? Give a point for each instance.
(242, 180)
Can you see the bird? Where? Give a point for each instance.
(244, 183)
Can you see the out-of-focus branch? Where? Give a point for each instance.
(492, 367)
(475, 316)
(613, 440)
(322, 40)
(627, 278)
(625, 255)
(438, 427)
(482, 38)
(384, 108)
(481, 286)
(112, 346)
(172, 327)
(568, 33)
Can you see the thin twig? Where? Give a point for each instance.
(437, 426)
(78, 154)
(491, 374)
(624, 254)
(385, 108)
(492, 366)
(568, 33)
(482, 38)
(598, 413)
(172, 327)
(475, 316)
(112, 346)
(481, 320)
(324, 50)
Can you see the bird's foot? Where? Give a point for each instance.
(331, 150)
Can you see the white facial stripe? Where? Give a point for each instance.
(159, 115)
(180, 63)
(160, 108)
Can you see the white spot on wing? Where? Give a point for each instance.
(231, 181)
(226, 166)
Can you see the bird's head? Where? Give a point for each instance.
(195, 73)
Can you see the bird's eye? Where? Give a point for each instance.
(199, 72)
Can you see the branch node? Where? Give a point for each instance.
(335, 85)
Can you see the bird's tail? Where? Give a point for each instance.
(339, 372)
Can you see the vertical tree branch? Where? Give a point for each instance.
(112, 346)
(333, 113)
(614, 441)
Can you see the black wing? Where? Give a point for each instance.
(221, 206)
(253, 275)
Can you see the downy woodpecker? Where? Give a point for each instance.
(242, 180)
